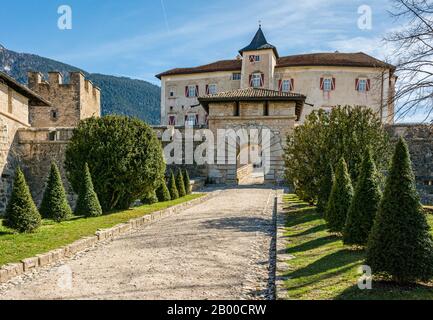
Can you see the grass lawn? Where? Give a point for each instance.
(51, 235)
(323, 268)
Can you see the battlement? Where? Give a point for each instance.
(71, 102)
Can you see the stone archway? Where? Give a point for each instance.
(269, 144)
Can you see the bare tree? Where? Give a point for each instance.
(413, 56)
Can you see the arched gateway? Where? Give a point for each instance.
(253, 124)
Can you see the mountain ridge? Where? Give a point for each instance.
(119, 95)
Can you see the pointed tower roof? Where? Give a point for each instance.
(259, 43)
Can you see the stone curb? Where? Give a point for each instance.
(10, 271)
(282, 258)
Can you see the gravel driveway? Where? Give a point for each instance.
(215, 250)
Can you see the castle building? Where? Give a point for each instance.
(325, 79)
(36, 123)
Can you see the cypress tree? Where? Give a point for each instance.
(400, 244)
(174, 194)
(162, 192)
(365, 204)
(54, 203)
(325, 189)
(88, 203)
(180, 184)
(150, 198)
(187, 182)
(340, 198)
(21, 213)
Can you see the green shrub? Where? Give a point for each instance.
(174, 194)
(187, 181)
(162, 192)
(325, 189)
(88, 203)
(124, 155)
(340, 198)
(150, 198)
(365, 204)
(345, 132)
(180, 184)
(400, 244)
(55, 204)
(21, 213)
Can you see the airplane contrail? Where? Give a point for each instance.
(165, 15)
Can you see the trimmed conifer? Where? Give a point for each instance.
(187, 182)
(325, 189)
(365, 204)
(340, 198)
(174, 194)
(180, 184)
(150, 198)
(88, 203)
(54, 203)
(400, 244)
(162, 192)
(21, 214)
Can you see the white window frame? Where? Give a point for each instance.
(191, 120)
(236, 76)
(192, 91)
(327, 84)
(286, 86)
(362, 85)
(213, 88)
(256, 80)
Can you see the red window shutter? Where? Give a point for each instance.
(357, 84)
(207, 89)
(196, 91)
(262, 81)
(333, 83)
(186, 92)
(251, 80)
(292, 85)
(368, 85)
(321, 83)
(280, 85)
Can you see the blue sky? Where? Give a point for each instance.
(139, 39)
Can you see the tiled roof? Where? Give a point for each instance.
(34, 98)
(259, 42)
(223, 65)
(358, 59)
(252, 93)
(338, 59)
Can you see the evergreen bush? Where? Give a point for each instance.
(174, 194)
(364, 206)
(400, 243)
(54, 203)
(340, 198)
(162, 192)
(21, 214)
(187, 181)
(88, 203)
(180, 184)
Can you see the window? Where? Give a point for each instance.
(172, 120)
(54, 115)
(237, 111)
(172, 93)
(52, 136)
(287, 85)
(257, 80)
(327, 85)
(191, 91)
(191, 120)
(236, 76)
(211, 89)
(254, 58)
(362, 85)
